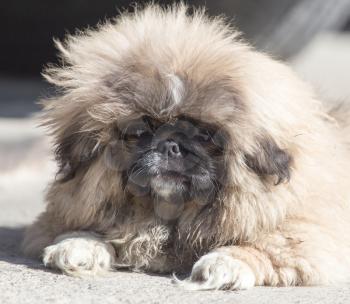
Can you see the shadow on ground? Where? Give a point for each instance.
(10, 248)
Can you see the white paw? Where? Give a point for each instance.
(218, 270)
(79, 254)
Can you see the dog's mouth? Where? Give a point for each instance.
(170, 190)
(171, 175)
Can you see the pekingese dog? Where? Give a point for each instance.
(182, 149)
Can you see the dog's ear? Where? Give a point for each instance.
(270, 160)
(74, 151)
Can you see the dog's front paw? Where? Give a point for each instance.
(79, 254)
(218, 270)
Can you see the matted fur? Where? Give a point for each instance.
(284, 208)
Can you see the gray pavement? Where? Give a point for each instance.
(26, 166)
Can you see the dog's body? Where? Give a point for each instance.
(281, 214)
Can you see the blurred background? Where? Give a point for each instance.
(313, 36)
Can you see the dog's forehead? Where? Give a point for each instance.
(168, 94)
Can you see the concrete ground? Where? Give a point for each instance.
(26, 167)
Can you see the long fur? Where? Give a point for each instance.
(284, 208)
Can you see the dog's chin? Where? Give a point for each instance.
(170, 186)
(170, 195)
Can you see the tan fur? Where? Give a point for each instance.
(295, 233)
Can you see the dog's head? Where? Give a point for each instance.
(174, 110)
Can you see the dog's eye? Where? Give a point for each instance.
(139, 132)
(135, 131)
(203, 137)
(135, 134)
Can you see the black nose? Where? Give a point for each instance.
(169, 148)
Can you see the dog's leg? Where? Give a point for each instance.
(76, 253)
(285, 258)
(80, 254)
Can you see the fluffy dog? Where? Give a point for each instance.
(180, 147)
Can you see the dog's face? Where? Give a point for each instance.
(173, 162)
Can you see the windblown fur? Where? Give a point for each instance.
(284, 207)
